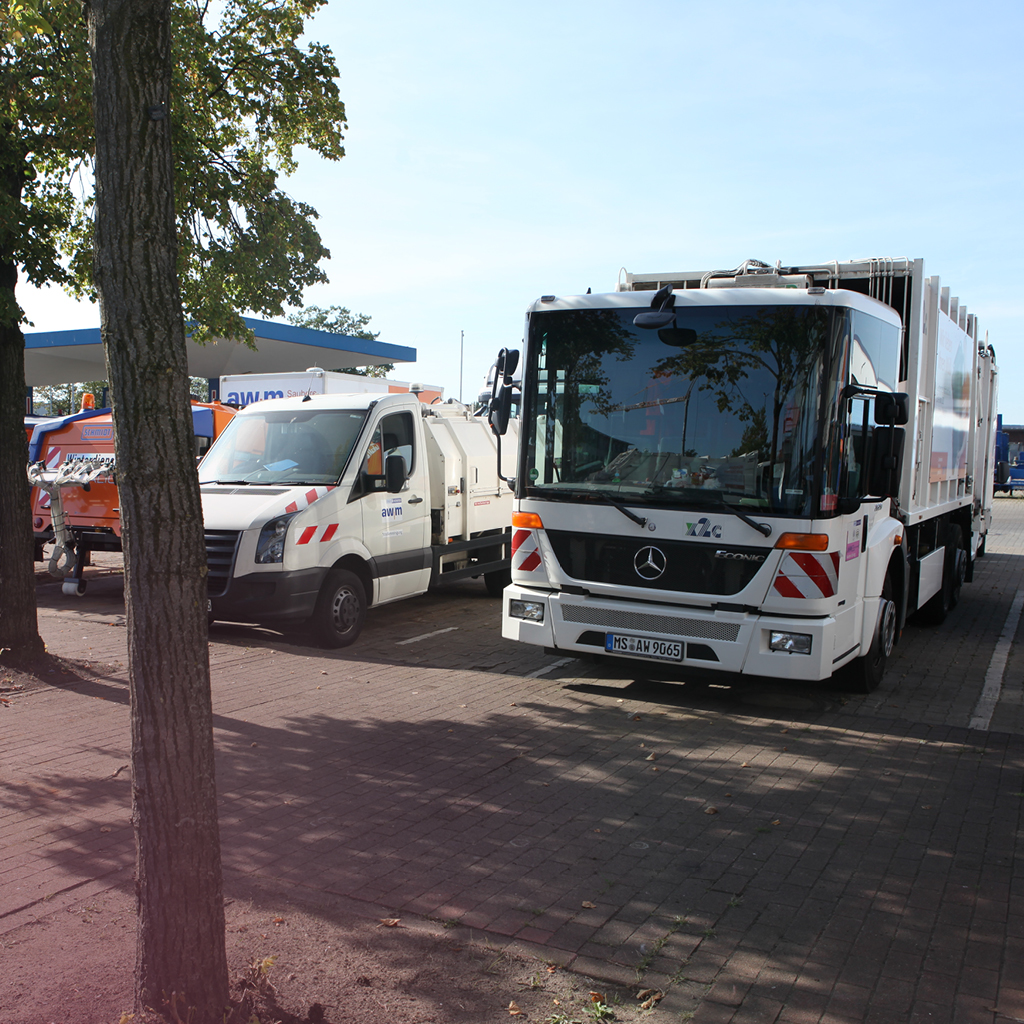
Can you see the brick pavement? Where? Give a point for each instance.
(761, 851)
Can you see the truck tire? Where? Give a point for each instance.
(864, 674)
(340, 609)
(497, 581)
(954, 569)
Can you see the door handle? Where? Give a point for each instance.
(415, 501)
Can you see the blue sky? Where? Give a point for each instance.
(499, 152)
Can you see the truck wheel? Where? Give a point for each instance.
(953, 572)
(340, 609)
(864, 674)
(497, 581)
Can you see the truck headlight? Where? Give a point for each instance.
(791, 643)
(532, 611)
(270, 547)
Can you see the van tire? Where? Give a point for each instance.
(340, 609)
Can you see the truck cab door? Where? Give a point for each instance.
(396, 525)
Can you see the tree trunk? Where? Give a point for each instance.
(181, 966)
(19, 634)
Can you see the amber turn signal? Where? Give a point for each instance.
(803, 542)
(527, 521)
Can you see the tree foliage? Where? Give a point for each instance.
(247, 93)
(340, 320)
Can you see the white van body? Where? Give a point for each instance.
(316, 508)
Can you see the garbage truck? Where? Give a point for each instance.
(318, 507)
(761, 471)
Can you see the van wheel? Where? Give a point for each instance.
(954, 569)
(340, 609)
(864, 674)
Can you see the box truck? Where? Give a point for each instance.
(762, 470)
(241, 389)
(317, 508)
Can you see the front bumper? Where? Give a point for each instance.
(727, 641)
(270, 597)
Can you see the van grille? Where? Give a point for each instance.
(220, 559)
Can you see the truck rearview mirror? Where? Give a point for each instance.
(892, 409)
(501, 410)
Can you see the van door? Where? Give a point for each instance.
(396, 527)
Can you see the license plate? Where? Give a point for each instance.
(643, 647)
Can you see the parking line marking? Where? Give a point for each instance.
(425, 636)
(993, 687)
(548, 668)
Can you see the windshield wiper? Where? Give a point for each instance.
(628, 513)
(762, 528)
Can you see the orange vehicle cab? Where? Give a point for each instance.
(75, 503)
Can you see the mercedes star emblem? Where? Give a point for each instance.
(649, 563)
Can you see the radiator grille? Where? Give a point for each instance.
(220, 559)
(650, 623)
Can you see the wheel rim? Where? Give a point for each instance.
(887, 628)
(344, 609)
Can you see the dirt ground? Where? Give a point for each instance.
(326, 963)
(75, 967)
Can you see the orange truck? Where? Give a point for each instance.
(75, 503)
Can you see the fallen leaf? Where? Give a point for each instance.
(390, 922)
(589, 905)
(710, 810)
(744, 765)
(551, 970)
(652, 757)
(597, 997)
(278, 920)
(777, 821)
(636, 718)
(513, 1009)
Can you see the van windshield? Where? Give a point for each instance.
(286, 447)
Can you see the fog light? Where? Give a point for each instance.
(791, 643)
(532, 611)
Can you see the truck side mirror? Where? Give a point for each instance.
(892, 409)
(501, 410)
(394, 473)
(886, 462)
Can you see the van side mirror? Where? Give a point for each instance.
(394, 473)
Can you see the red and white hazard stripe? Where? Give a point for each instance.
(525, 551)
(313, 494)
(318, 533)
(803, 574)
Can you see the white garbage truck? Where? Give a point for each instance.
(318, 507)
(762, 470)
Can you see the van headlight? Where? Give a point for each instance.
(270, 547)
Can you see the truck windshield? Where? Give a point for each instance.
(721, 407)
(286, 447)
